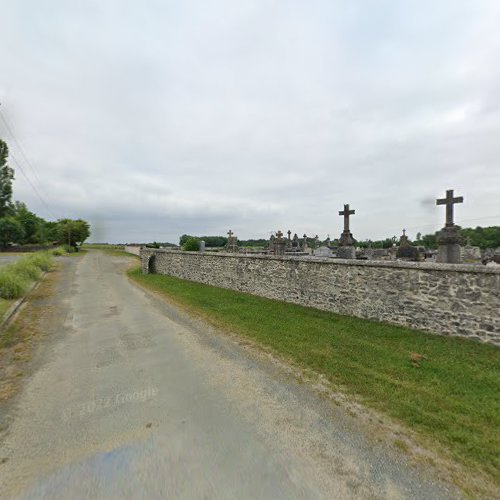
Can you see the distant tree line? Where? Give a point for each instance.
(20, 226)
(210, 241)
(482, 237)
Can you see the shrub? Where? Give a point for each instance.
(42, 260)
(69, 249)
(12, 284)
(191, 245)
(58, 251)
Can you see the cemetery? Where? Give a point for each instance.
(443, 296)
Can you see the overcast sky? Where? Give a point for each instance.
(156, 118)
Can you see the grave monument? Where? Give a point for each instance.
(449, 238)
(346, 248)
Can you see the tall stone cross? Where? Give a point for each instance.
(230, 234)
(449, 201)
(346, 213)
(404, 232)
(279, 234)
(289, 234)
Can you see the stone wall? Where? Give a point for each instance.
(133, 249)
(446, 299)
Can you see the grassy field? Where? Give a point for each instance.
(451, 400)
(116, 250)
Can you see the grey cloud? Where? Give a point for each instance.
(158, 118)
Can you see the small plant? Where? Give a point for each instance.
(191, 245)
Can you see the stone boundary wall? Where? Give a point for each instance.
(133, 249)
(447, 299)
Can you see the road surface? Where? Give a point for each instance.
(131, 399)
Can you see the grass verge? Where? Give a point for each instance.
(450, 400)
(16, 278)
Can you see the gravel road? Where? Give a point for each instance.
(131, 399)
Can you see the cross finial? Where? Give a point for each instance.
(404, 232)
(346, 213)
(449, 201)
(279, 234)
(230, 233)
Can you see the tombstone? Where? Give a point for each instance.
(449, 238)
(304, 243)
(322, 252)
(295, 242)
(289, 239)
(405, 250)
(232, 243)
(279, 244)
(202, 246)
(470, 253)
(346, 248)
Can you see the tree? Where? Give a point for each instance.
(191, 245)
(73, 232)
(32, 225)
(11, 231)
(6, 178)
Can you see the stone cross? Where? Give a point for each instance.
(404, 232)
(279, 234)
(289, 234)
(346, 213)
(449, 201)
(230, 234)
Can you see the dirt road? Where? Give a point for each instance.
(130, 399)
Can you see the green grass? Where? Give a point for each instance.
(452, 400)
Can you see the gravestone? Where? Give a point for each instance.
(346, 248)
(470, 253)
(279, 244)
(405, 250)
(232, 243)
(202, 246)
(449, 238)
(289, 239)
(322, 252)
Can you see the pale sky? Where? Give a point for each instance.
(156, 118)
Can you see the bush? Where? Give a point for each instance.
(191, 245)
(69, 249)
(42, 260)
(12, 284)
(57, 252)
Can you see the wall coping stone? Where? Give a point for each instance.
(423, 266)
